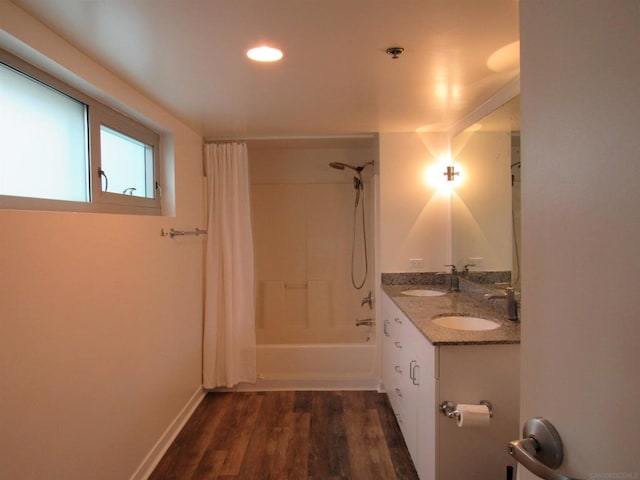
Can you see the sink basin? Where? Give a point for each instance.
(420, 292)
(459, 322)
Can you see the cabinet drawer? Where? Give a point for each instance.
(395, 398)
(396, 322)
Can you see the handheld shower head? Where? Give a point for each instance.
(359, 188)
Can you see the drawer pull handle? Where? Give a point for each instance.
(412, 372)
(397, 344)
(397, 369)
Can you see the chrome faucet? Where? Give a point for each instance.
(512, 304)
(367, 300)
(454, 282)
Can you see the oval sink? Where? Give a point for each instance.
(420, 292)
(459, 322)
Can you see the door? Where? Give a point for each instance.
(580, 79)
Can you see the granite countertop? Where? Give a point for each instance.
(421, 310)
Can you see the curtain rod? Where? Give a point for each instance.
(364, 136)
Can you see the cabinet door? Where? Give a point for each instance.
(425, 460)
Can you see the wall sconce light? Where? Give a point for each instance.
(450, 173)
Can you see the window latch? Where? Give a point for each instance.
(106, 179)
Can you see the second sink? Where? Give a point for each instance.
(422, 292)
(460, 322)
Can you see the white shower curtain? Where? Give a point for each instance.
(229, 342)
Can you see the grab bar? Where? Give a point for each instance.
(540, 451)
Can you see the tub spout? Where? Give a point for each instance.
(369, 322)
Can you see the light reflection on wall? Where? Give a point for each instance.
(434, 175)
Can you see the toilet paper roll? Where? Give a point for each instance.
(473, 415)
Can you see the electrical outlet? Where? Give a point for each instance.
(476, 261)
(416, 263)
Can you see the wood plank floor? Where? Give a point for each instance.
(289, 435)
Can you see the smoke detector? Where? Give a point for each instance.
(395, 52)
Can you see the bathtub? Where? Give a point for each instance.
(317, 367)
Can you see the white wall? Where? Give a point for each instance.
(581, 229)
(100, 317)
(414, 214)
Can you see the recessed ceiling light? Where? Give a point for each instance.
(264, 54)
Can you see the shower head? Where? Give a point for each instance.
(342, 166)
(337, 165)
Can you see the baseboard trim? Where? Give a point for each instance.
(162, 445)
(284, 384)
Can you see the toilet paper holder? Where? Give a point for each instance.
(450, 409)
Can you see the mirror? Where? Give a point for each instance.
(485, 205)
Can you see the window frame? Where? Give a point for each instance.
(96, 115)
(99, 117)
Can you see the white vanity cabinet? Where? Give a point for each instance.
(418, 376)
(408, 375)
(468, 374)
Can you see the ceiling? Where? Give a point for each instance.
(335, 78)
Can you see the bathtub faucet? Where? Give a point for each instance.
(369, 322)
(367, 300)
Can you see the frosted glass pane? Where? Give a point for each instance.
(43, 142)
(127, 164)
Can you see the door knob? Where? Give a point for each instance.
(540, 451)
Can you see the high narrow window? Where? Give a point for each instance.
(63, 150)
